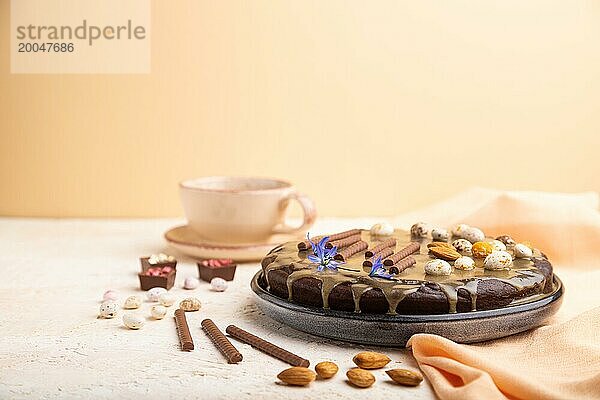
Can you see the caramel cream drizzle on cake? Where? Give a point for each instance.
(522, 274)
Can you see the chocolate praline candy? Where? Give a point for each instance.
(147, 282)
(219, 270)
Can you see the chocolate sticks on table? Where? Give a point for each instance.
(413, 247)
(267, 347)
(305, 245)
(232, 355)
(183, 330)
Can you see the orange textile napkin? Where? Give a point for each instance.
(557, 361)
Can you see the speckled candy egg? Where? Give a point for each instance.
(111, 295)
(191, 283)
(154, 293)
(462, 246)
(438, 267)
(497, 245)
(459, 229)
(218, 284)
(382, 229)
(473, 235)
(190, 304)
(419, 230)
(440, 234)
(464, 263)
(133, 321)
(132, 302)
(158, 312)
(507, 240)
(108, 309)
(166, 299)
(481, 249)
(522, 251)
(498, 260)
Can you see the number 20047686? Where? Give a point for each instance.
(45, 47)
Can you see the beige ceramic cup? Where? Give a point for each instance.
(236, 210)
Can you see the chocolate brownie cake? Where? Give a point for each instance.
(425, 271)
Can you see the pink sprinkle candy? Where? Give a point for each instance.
(153, 271)
(167, 270)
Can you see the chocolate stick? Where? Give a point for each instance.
(232, 355)
(391, 242)
(351, 250)
(305, 245)
(183, 330)
(402, 265)
(267, 347)
(413, 247)
(383, 254)
(341, 243)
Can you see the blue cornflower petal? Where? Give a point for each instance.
(323, 257)
(379, 271)
(313, 259)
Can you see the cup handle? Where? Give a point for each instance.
(308, 207)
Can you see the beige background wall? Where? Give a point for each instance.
(370, 107)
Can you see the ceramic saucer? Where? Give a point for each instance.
(188, 242)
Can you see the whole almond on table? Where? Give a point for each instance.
(405, 377)
(360, 377)
(326, 369)
(297, 376)
(371, 360)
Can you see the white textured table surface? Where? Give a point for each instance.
(52, 345)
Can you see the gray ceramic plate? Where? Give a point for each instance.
(395, 330)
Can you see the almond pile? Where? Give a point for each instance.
(360, 376)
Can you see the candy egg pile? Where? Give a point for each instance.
(157, 276)
(476, 251)
(160, 258)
